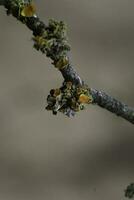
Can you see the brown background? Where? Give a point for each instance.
(57, 158)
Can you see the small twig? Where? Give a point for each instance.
(51, 40)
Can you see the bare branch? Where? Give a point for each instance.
(106, 101)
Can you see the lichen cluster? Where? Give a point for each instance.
(53, 42)
(129, 192)
(68, 99)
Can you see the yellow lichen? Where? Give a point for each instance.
(85, 99)
(28, 10)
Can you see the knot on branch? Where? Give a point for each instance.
(69, 99)
(53, 41)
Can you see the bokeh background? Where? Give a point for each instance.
(53, 157)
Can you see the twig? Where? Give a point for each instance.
(51, 40)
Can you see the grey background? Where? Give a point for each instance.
(57, 158)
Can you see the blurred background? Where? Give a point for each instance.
(53, 157)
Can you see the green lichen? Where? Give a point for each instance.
(56, 29)
(53, 41)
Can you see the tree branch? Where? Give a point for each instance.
(113, 105)
(51, 40)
